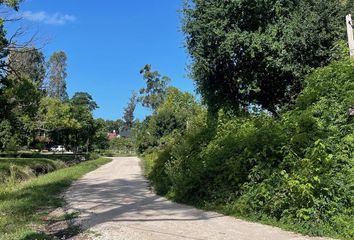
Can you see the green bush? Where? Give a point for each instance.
(168, 122)
(295, 171)
(313, 185)
(120, 146)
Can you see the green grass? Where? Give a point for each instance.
(19, 169)
(117, 153)
(24, 205)
(148, 163)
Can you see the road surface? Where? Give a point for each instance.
(115, 203)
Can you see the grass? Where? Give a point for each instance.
(19, 169)
(117, 153)
(67, 158)
(25, 205)
(148, 163)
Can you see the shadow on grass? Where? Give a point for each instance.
(30, 202)
(36, 236)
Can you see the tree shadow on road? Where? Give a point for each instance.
(126, 201)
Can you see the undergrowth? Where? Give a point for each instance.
(295, 171)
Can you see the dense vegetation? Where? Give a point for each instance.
(35, 107)
(258, 52)
(36, 111)
(295, 170)
(275, 141)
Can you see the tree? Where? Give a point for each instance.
(3, 41)
(258, 52)
(100, 140)
(57, 119)
(7, 137)
(11, 3)
(57, 75)
(83, 99)
(82, 106)
(3, 70)
(116, 125)
(172, 118)
(19, 96)
(129, 112)
(21, 106)
(28, 63)
(155, 91)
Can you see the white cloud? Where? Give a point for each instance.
(46, 18)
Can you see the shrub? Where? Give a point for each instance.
(296, 170)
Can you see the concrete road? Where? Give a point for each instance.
(115, 203)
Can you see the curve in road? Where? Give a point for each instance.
(115, 202)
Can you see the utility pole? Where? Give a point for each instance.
(350, 34)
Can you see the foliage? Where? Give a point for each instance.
(25, 111)
(82, 106)
(169, 120)
(116, 125)
(20, 107)
(70, 123)
(294, 171)
(55, 115)
(128, 116)
(100, 140)
(5, 134)
(21, 73)
(57, 76)
(84, 100)
(28, 63)
(258, 52)
(155, 91)
(121, 146)
(11, 3)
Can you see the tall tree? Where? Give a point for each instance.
(129, 112)
(257, 52)
(28, 63)
(57, 76)
(84, 100)
(156, 87)
(19, 96)
(57, 119)
(82, 106)
(100, 140)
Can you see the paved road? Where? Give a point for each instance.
(116, 203)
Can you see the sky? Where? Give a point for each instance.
(108, 42)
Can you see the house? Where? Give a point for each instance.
(112, 135)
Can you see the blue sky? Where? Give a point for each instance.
(108, 42)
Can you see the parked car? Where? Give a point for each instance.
(58, 148)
